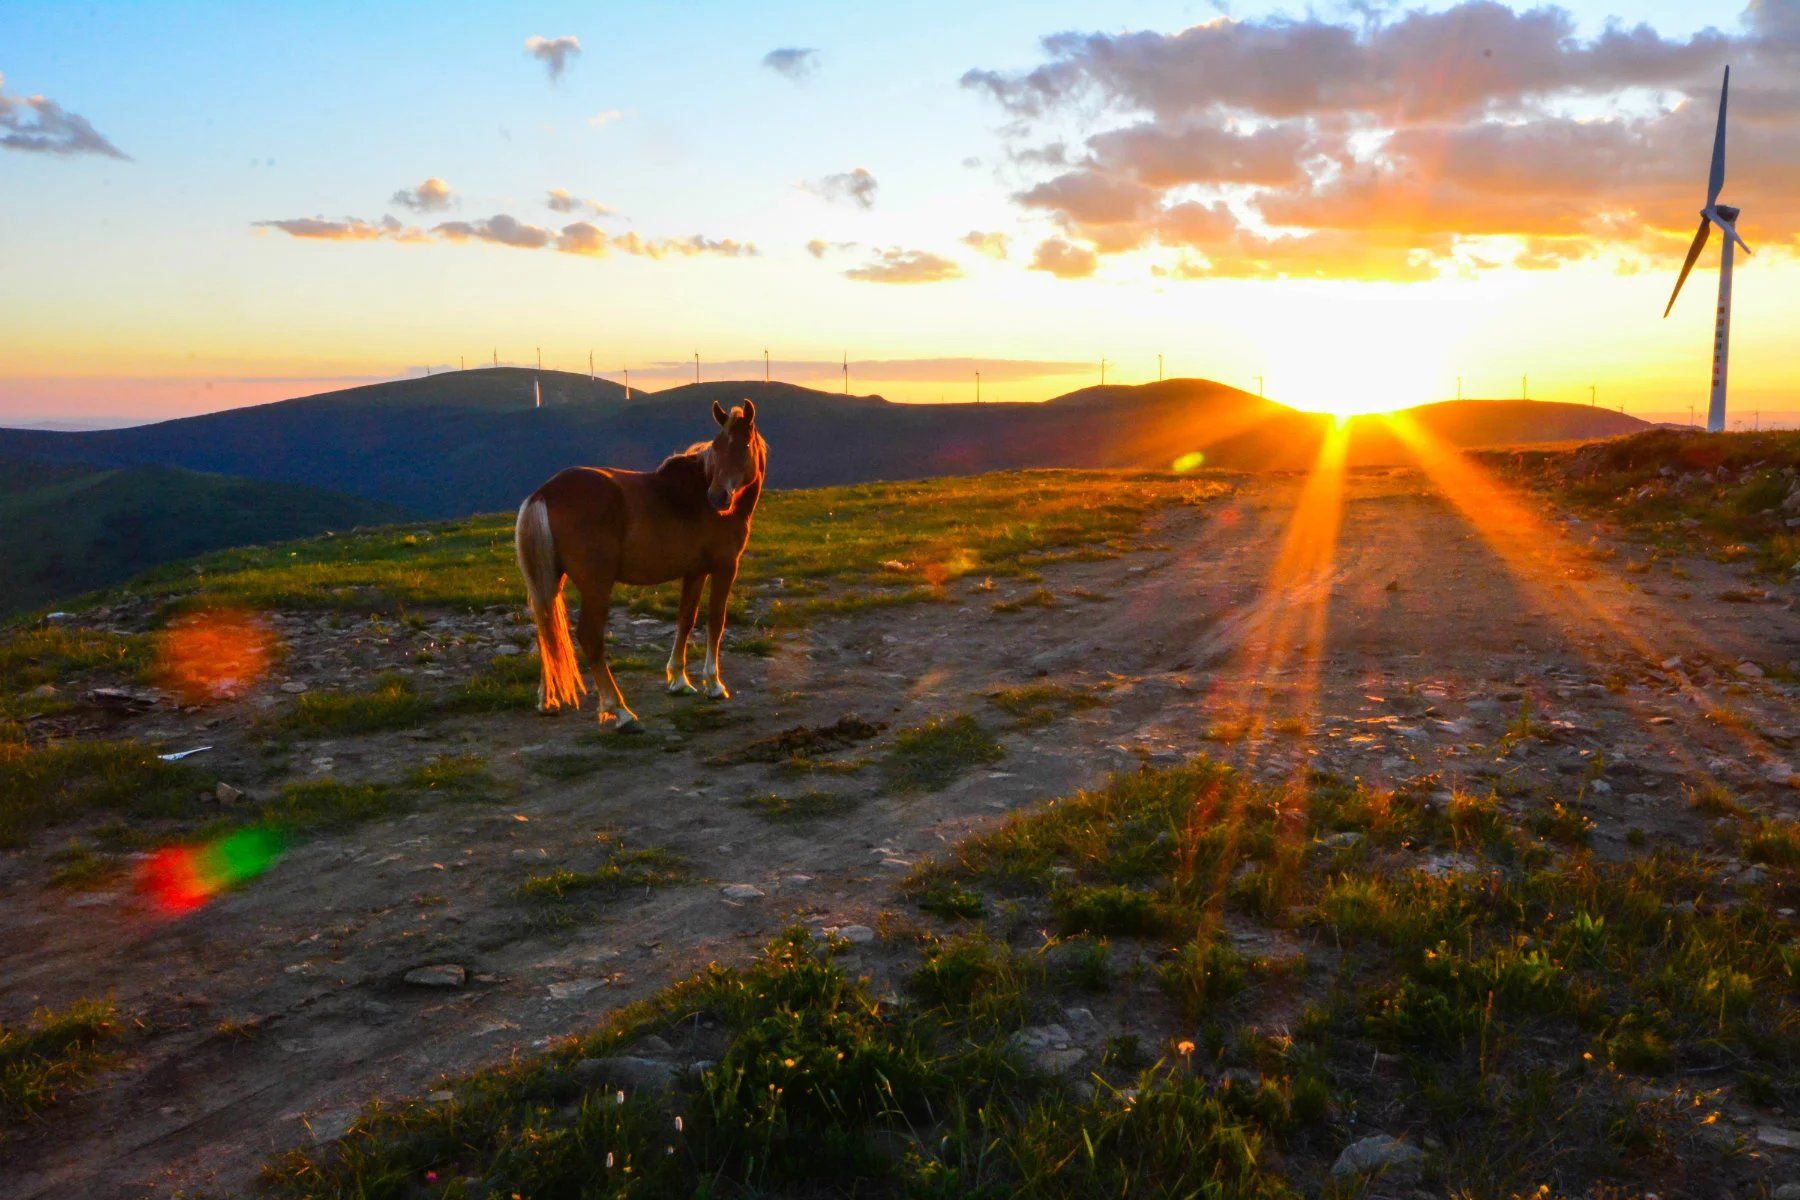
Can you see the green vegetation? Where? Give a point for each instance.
(42, 786)
(1528, 1015)
(807, 806)
(929, 757)
(831, 549)
(1036, 704)
(1734, 490)
(36, 666)
(66, 529)
(53, 1054)
(620, 871)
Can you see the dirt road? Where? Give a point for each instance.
(1408, 645)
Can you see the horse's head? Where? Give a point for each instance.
(734, 459)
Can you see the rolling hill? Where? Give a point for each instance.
(67, 528)
(471, 441)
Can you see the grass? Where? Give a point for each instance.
(1535, 1022)
(1673, 486)
(930, 757)
(48, 785)
(833, 550)
(1033, 705)
(806, 806)
(50, 1056)
(55, 655)
(621, 870)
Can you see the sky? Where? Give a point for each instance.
(1351, 206)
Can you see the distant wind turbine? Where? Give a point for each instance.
(1725, 217)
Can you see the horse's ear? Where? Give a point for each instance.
(749, 410)
(719, 413)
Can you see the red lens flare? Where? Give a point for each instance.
(214, 655)
(180, 879)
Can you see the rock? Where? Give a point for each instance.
(439, 975)
(506, 650)
(226, 794)
(44, 691)
(573, 989)
(1377, 1153)
(741, 891)
(1781, 1139)
(1083, 1026)
(651, 1045)
(1788, 1191)
(1749, 670)
(1672, 664)
(627, 1072)
(856, 935)
(1047, 1048)
(1338, 841)
(293, 687)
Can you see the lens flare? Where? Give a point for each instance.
(213, 655)
(1191, 461)
(180, 879)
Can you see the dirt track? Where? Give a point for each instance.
(1408, 650)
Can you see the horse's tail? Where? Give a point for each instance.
(544, 589)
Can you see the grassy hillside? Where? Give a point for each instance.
(471, 441)
(66, 529)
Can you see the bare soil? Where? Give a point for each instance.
(268, 1018)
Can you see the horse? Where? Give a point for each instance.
(689, 520)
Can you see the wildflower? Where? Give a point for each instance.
(1184, 1047)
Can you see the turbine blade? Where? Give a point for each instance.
(1716, 181)
(1729, 230)
(1693, 253)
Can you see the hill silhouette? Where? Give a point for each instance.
(66, 528)
(471, 441)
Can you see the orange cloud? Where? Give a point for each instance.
(1065, 260)
(905, 266)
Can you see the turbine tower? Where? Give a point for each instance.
(1725, 217)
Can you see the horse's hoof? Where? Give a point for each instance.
(717, 690)
(682, 686)
(628, 723)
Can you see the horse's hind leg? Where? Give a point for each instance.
(591, 633)
(676, 670)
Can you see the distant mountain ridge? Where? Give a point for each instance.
(67, 528)
(472, 441)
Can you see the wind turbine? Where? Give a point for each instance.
(1725, 217)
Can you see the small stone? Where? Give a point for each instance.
(856, 935)
(1338, 841)
(1672, 664)
(440, 1097)
(1788, 1191)
(573, 989)
(796, 880)
(651, 1045)
(506, 650)
(1378, 1153)
(624, 1071)
(293, 687)
(741, 891)
(226, 794)
(1749, 670)
(439, 975)
(1781, 1139)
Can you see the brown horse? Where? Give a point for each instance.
(689, 520)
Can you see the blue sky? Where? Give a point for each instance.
(151, 270)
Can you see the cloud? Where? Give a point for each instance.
(580, 238)
(819, 247)
(555, 53)
(1064, 260)
(37, 124)
(905, 266)
(434, 195)
(350, 229)
(851, 187)
(1395, 143)
(798, 63)
(562, 201)
(501, 229)
(991, 244)
(600, 119)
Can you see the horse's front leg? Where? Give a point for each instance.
(710, 675)
(596, 602)
(676, 670)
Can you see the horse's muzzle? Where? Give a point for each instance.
(719, 498)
